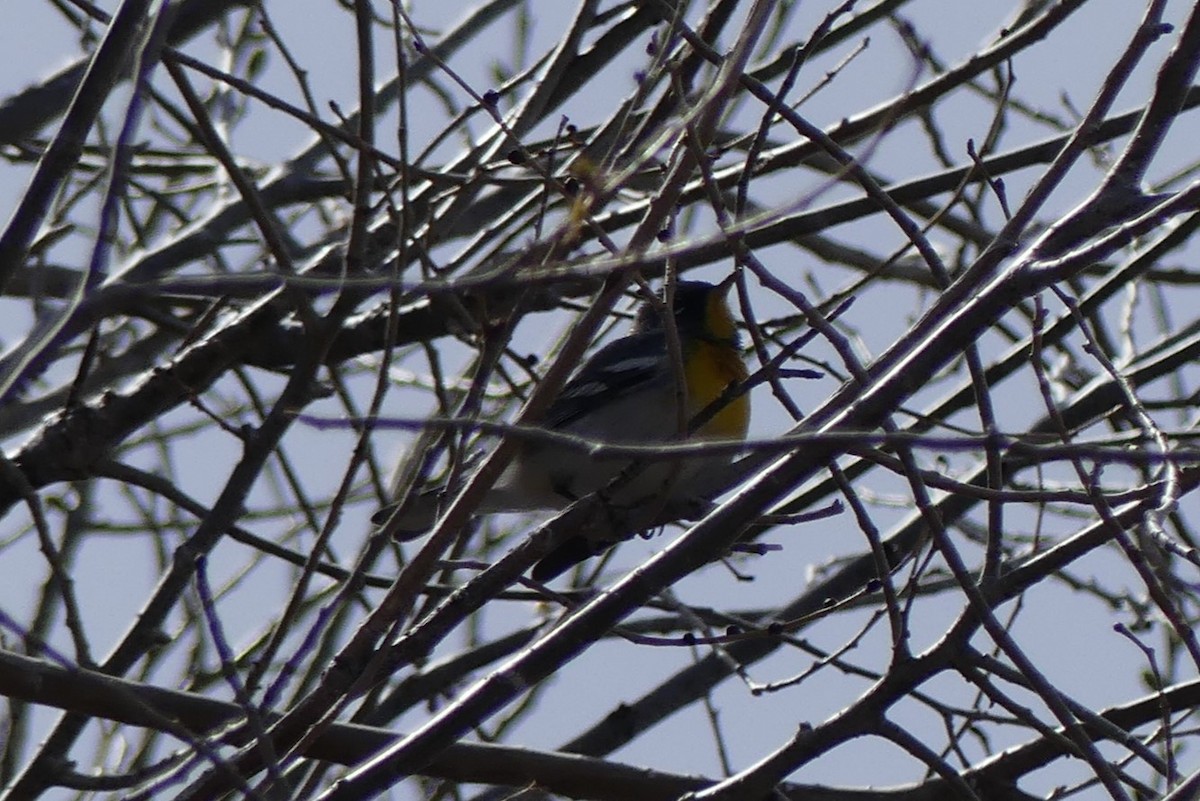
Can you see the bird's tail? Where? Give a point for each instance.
(412, 518)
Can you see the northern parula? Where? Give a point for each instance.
(626, 393)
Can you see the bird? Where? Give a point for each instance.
(627, 392)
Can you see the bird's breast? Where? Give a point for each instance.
(709, 372)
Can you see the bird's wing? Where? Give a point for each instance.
(615, 370)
